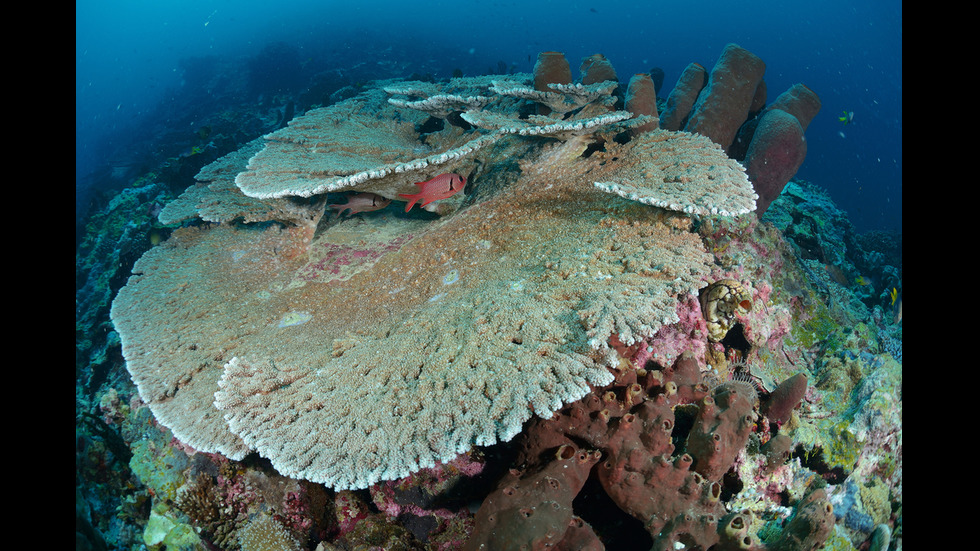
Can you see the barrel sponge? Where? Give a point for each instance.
(551, 68)
(657, 75)
(775, 154)
(596, 68)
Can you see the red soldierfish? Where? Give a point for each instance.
(440, 187)
(361, 202)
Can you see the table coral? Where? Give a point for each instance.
(353, 351)
(301, 321)
(216, 198)
(391, 348)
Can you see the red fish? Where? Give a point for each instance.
(440, 187)
(361, 202)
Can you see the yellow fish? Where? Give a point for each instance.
(861, 281)
(896, 297)
(847, 117)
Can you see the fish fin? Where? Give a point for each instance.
(413, 199)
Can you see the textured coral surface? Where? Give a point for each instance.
(544, 364)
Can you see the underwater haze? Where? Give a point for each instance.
(142, 67)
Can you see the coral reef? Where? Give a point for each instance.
(426, 380)
(664, 371)
(116, 236)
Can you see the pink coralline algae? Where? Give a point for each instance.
(690, 333)
(337, 261)
(426, 494)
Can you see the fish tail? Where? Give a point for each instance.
(411, 203)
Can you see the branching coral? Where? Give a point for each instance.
(205, 504)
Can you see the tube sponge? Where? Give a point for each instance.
(785, 398)
(775, 154)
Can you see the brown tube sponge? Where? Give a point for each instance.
(532, 510)
(777, 450)
(641, 99)
(596, 68)
(551, 68)
(682, 97)
(785, 398)
(799, 101)
(775, 154)
(724, 105)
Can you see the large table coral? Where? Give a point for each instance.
(347, 360)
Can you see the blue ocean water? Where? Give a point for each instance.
(133, 59)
